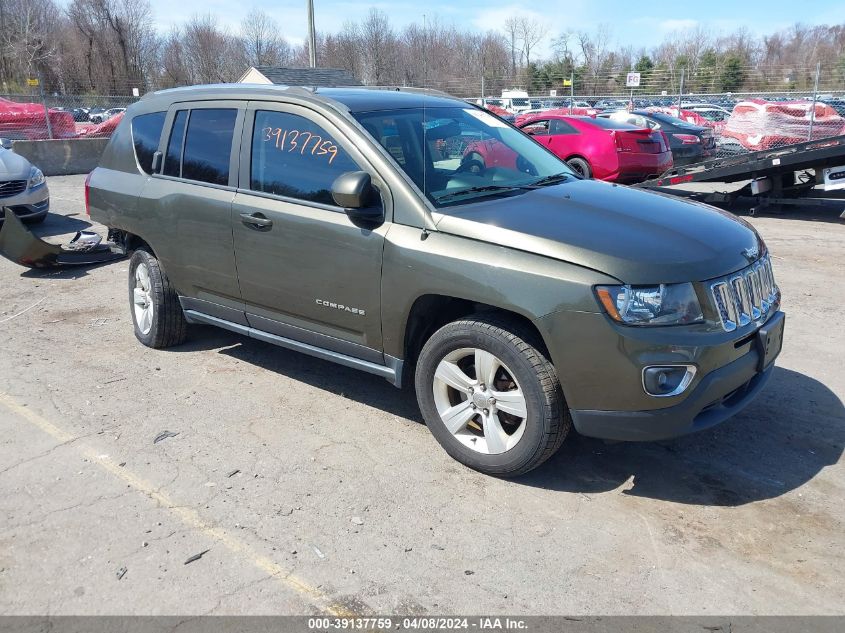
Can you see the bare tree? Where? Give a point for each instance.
(211, 53)
(262, 41)
(530, 33)
(511, 28)
(28, 27)
(595, 52)
(378, 47)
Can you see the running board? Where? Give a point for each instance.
(392, 373)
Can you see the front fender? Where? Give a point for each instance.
(437, 263)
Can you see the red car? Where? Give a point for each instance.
(27, 121)
(594, 148)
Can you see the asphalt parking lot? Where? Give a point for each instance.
(313, 488)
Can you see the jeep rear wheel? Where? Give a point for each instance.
(490, 397)
(156, 312)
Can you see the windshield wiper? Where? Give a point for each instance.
(550, 180)
(479, 189)
(542, 182)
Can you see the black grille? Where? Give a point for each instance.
(11, 187)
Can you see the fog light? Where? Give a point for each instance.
(670, 380)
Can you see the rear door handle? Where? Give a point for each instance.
(256, 221)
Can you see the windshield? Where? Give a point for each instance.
(455, 155)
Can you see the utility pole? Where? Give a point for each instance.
(815, 100)
(681, 93)
(40, 81)
(312, 36)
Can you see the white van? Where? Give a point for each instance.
(516, 101)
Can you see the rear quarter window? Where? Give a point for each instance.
(146, 132)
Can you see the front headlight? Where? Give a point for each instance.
(666, 304)
(36, 177)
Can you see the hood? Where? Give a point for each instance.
(636, 236)
(13, 166)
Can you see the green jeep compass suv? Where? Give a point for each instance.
(359, 226)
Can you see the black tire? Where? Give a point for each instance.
(168, 326)
(472, 163)
(580, 167)
(547, 421)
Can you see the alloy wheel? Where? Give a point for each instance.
(479, 401)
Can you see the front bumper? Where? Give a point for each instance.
(600, 365)
(32, 204)
(720, 395)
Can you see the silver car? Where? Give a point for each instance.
(102, 117)
(23, 187)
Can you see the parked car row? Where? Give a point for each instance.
(27, 121)
(91, 115)
(620, 146)
(593, 147)
(689, 143)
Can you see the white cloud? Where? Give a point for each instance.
(677, 24)
(493, 18)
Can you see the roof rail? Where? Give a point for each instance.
(429, 91)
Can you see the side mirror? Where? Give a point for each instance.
(6, 143)
(354, 192)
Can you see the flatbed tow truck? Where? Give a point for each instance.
(786, 176)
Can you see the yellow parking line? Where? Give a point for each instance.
(189, 517)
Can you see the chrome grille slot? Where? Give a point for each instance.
(11, 188)
(754, 293)
(745, 296)
(726, 305)
(743, 300)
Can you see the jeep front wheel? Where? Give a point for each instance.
(490, 397)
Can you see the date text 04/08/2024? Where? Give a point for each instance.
(417, 624)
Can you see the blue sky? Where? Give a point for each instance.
(640, 23)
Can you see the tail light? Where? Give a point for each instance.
(88, 194)
(665, 140)
(617, 140)
(687, 139)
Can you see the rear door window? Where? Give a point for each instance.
(208, 145)
(296, 158)
(146, 132)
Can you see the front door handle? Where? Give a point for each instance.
(256, 221)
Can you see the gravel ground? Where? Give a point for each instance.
(312, 488)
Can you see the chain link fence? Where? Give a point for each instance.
(765, 108)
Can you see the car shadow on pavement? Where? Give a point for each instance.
(350, 383)
(794, 429)
(56, 224)
(64, 272)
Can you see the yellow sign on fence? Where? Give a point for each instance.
(32, 82)
(567, 83)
